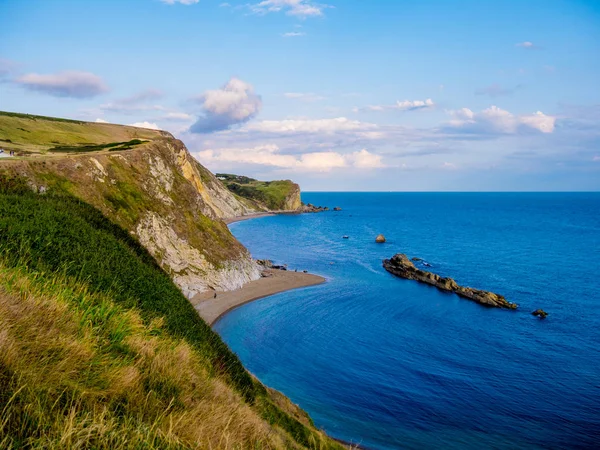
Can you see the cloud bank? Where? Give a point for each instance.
(233, 104)
(270, 155)
(145, 124)
(499, 121)
(64, 84)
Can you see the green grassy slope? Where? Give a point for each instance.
(272, 195)
(98, 348)
(27, 134)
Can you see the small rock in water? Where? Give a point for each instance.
(380, 239)
(337, 208)
(416, 259)
(540, 313)
(346, 237)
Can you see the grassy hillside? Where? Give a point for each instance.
(28, 134)
(99, 349)
(272, 195)
(145, 181)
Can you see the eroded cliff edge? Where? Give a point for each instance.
(161, 194)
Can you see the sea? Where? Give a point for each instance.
(388, 363)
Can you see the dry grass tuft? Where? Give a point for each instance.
(77, 371)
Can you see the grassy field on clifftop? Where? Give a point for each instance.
(99, 349)
(271, 195)
(27, 134)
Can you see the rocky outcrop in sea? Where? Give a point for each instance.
(401, 266)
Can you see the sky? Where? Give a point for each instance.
(352, 95)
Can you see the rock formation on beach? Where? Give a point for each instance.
(400, 265)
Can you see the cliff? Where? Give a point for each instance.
(100, 349)
(147, 182)
(281, 195)
(101, 229)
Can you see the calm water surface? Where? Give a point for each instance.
(390, 363)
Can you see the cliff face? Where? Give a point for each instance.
(292, 200)
(164, 197)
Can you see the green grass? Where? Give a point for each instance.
(34, 117)
(63, 242)
(26, 133)
(112, 146)
(270, 194)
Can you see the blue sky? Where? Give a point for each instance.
(337, 95)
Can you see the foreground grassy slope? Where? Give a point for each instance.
(99, 349)
(271, 195)
(28, 134)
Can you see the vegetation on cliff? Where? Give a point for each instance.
(145, 181)
(265, 195)
(99, 349)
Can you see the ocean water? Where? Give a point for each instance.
(390, 363)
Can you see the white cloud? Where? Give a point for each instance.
(270, 155)
(145, 124)
(497, 120)
(305, 97)
(294, 126)
(64, 84)
(415, 104)
(596, 158)
(293, 34)
(299, 8)
(177, 116)
(233, 104)
(365, 160)
(406, 105)
(100, 121)
(321, 161)
(183, 2)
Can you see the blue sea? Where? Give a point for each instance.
(390, 363)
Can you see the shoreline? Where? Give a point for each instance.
(272, 281)
(257, 215)
(211, 308)
(231, 220)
